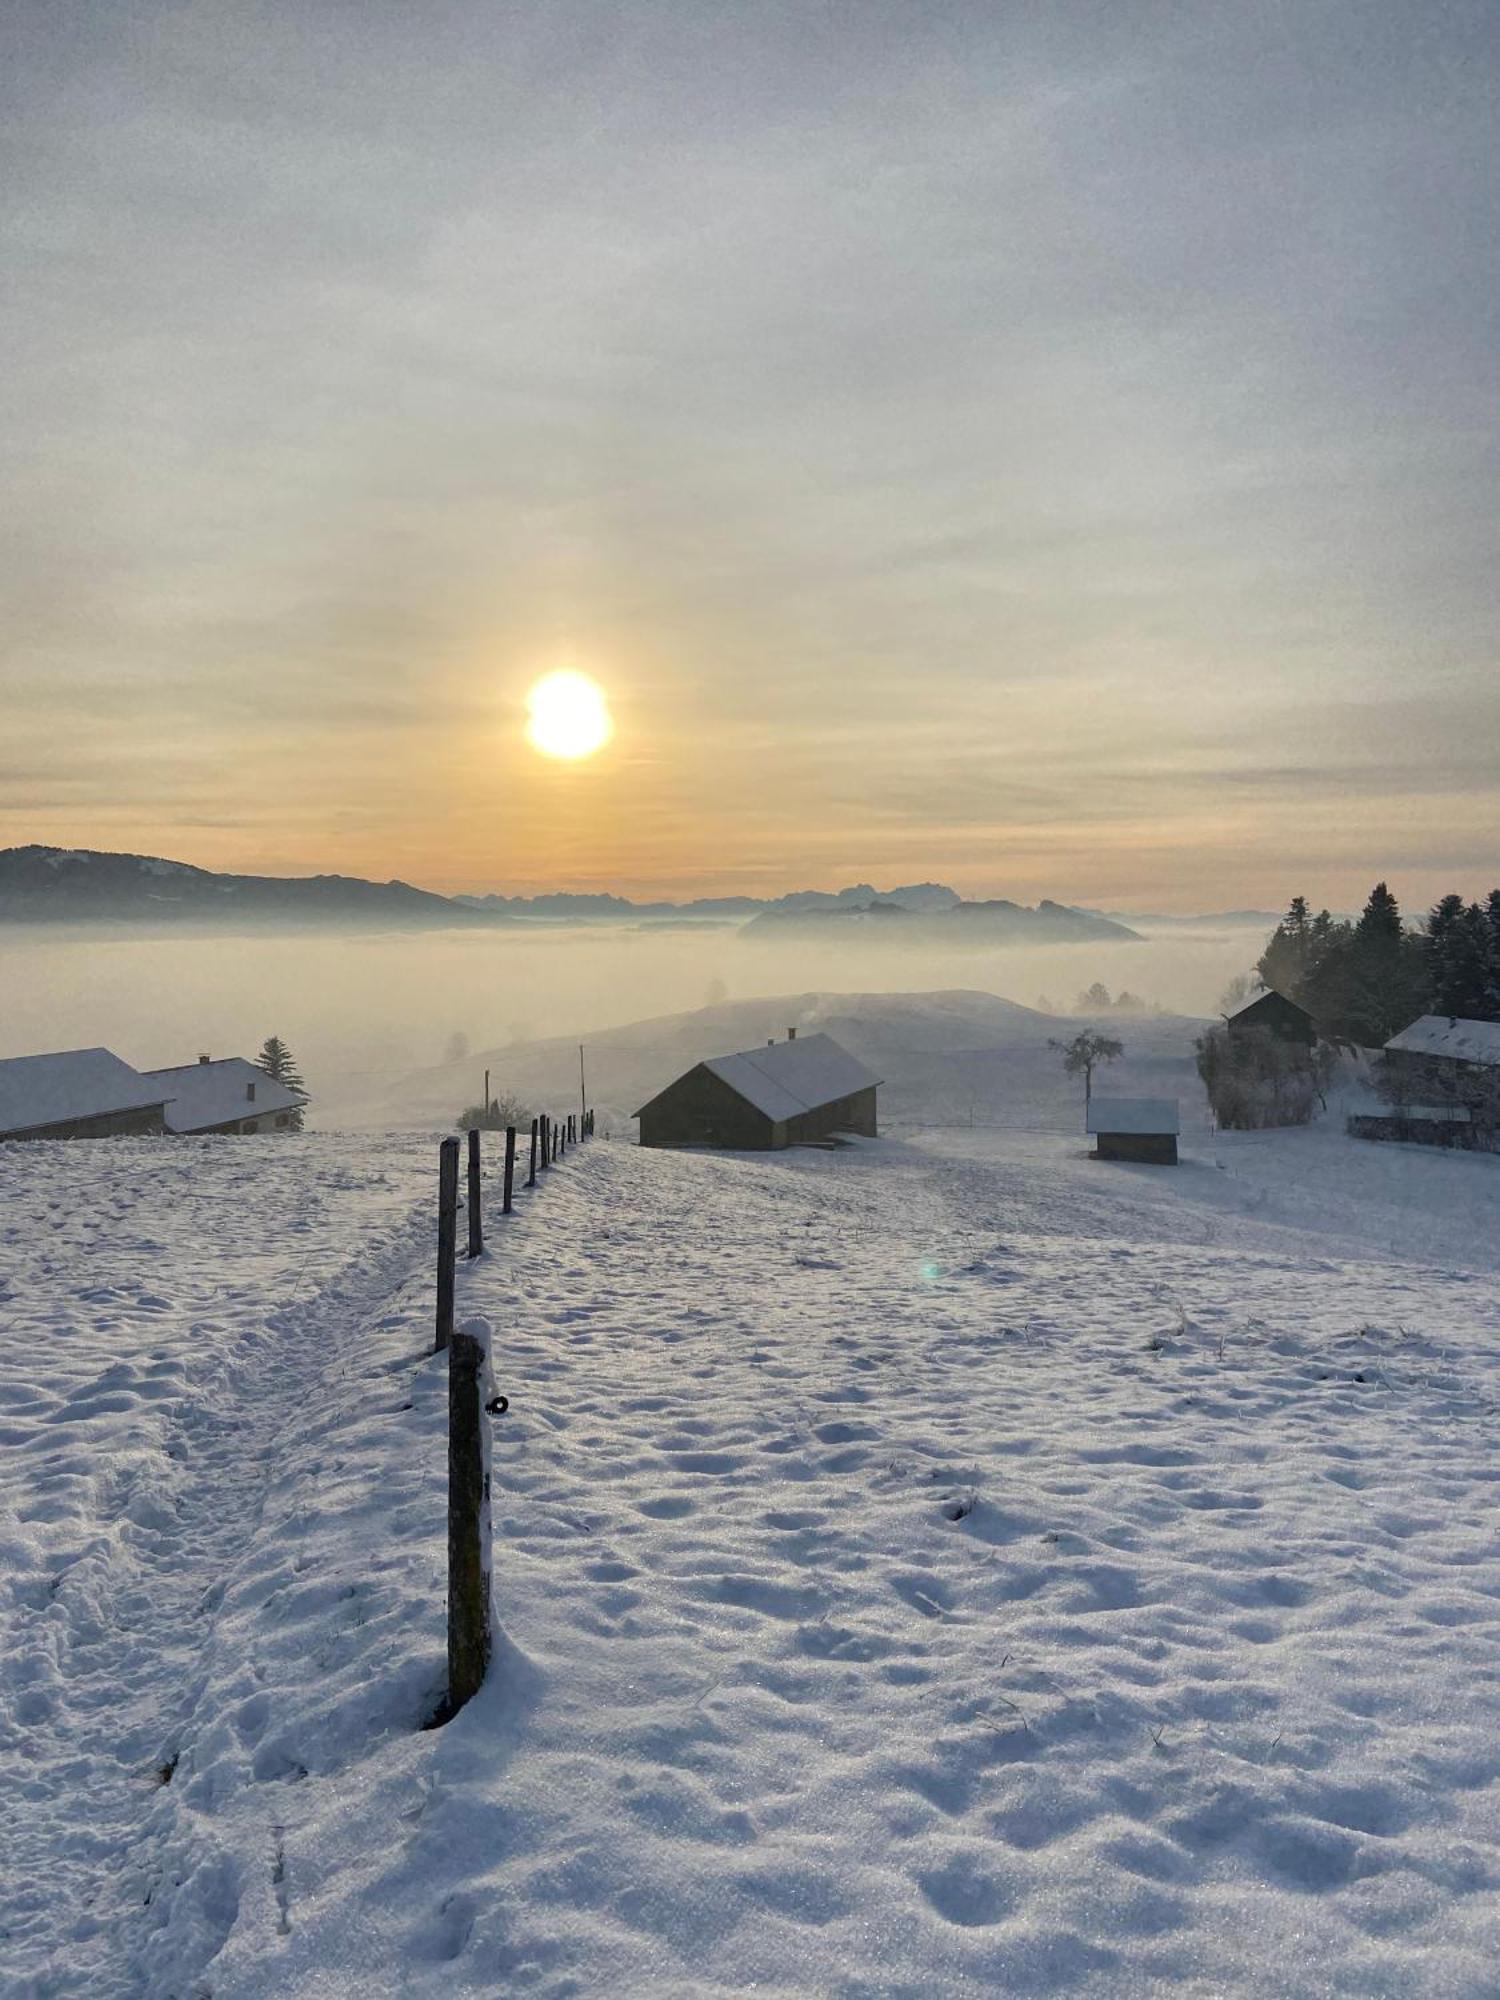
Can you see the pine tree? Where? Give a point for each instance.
(1287, 958)
(277, 1062)
(1389, 980)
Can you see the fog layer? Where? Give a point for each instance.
(360, 1012)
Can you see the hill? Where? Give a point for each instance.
(82, 885)
(945, 1058)
(956, 926)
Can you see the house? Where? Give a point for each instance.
(230, 1095)
(1441, 1081)
(77, 1094)
(1274, 1014)
(1135, 1128)
(782, 1095)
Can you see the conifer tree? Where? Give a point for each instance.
(277, 1062)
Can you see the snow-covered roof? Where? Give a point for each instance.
(1133, 1114)
(38, 1091)
(1437, 1035)
(784, 1079)
(202, 1095)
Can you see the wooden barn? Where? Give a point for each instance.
(1276, 1015)
(1135, 1128)
(785, 1094)
(77, 1094)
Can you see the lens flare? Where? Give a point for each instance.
(567, 716)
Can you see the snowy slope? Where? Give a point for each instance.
(943, 1569)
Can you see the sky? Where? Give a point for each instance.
(1049, 448)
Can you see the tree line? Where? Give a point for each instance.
(1363, 980)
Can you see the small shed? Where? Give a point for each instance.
(1276, 1015)
(77, 1094)
(230, 1095)
(1135, 1128)
(785, 1094)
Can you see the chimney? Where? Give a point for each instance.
(791, 1034)
(204, 1059)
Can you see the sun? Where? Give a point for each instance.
(567, 716)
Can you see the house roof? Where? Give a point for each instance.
(785, 1079)
(1133, 1114)
(203, 1095)
(1270, 1002)
(38, 1091)
(1438, 1035)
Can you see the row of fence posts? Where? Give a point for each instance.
(469, 1631)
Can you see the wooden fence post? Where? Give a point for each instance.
(476, 1219)
(546, 1142)
(447, 1231)
(469, 1638)
(531, 1177)
(510, 1167)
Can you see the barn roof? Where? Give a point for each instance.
(201, 1095)
(1270, 1002)
(784, 1079)
(37, 1091)
(1438, 1035)
(1133, 1114)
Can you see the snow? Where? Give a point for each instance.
(202, 1095)
(937, 1567)
(1133, 1114)
(1437, 1035)
(784, 1079)
(37, 1091)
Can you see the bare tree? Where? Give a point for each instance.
(1083, 1054)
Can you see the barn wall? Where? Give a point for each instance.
(855, 1113)
(699, 1109)
(1282, 1017)
(1155, 1149)
(109, 1125)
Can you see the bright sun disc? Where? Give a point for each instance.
(567, 716)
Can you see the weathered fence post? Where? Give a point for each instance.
(468, 1515)
(510, 1168)
(546, 1144)
(531, 1177)
(447, 1231)
(476, 1220)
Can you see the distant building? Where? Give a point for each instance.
(77, 1094)
(1455, 1048)
(1278, 1016)
(1135, 1128)
(782, 1095)
(230, 1095)
(1441, 1080)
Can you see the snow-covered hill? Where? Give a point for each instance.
(946, 1058)
(955, 1568)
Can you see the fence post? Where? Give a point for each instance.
(447, 1230)
(476, 1220)
(468, 1515)
(531, 1177)
(510, 1167)
(546, 1142)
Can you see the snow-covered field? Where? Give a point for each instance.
(943, 1566)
